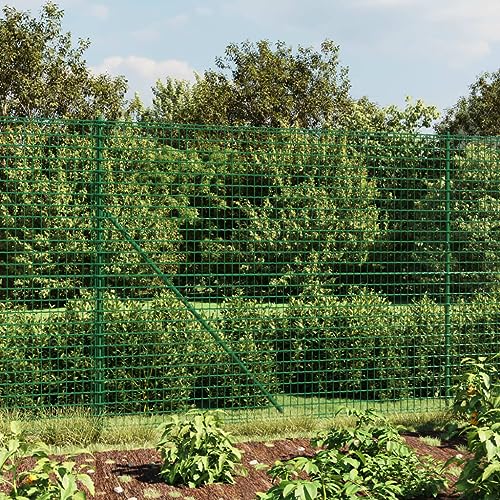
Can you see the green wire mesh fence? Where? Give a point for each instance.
(148, 268)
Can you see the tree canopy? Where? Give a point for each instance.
(44, 74)
(259, 84)
(477, 113)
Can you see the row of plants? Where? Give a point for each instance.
(158, 358)
(370, 459)
(373, 461)
(221, 209)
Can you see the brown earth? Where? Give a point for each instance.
(128, 475)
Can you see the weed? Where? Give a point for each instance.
(431, 441)
(125, 479)
(151, 493)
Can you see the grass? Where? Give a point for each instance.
(431, 441)
(454, 470)
(209, 309)
(70, 430)
(462, 448)
(125, 479)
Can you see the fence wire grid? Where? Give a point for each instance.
(148, 268)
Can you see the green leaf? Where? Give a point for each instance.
(87, 482)
(310, 490)
(352, 490)
(490, 469)
(15, 427)
(491, 450)
(289, 488)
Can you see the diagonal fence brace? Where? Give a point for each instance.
(201, 320)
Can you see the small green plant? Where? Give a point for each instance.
(477, 390)
(195, 450)
(370, 460)
(46, 480)
(477, 399)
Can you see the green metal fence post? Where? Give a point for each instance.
(447, 304)
(99, 283)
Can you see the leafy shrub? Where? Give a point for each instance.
(46, 480)
(477, 399)
(347, 347)
(48, 234)
(196, 450)
(247, 328)
(283, 210)
(423, 348)
(159, 358)
(370, 460)
(40, 365)
(477, 390)
(149, 347)
(476, 326)
(363, 346)
(369, 335)
(480, 477)
(306, 353)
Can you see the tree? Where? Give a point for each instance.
(172, 101)
(474, 233)
(478, 113)
(261, 85)
(43, 75)
(282, 88)
(413, 117)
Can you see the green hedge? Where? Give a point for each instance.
(364, 347)
(244, 326)
(149, 352)
(274, 211)
(158, 358)
(341, 347)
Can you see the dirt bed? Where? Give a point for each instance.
(133, 474)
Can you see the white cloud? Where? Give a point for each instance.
(466, 10)
(478, 19)
(145, 67)
(142, 72)
(457, 32)
(472, 27)
(98, 10)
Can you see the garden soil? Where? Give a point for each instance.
(133, 475)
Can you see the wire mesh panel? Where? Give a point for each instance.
(148, 268)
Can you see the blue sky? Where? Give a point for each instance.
(428, 49)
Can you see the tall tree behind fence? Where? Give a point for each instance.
(150, 267)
